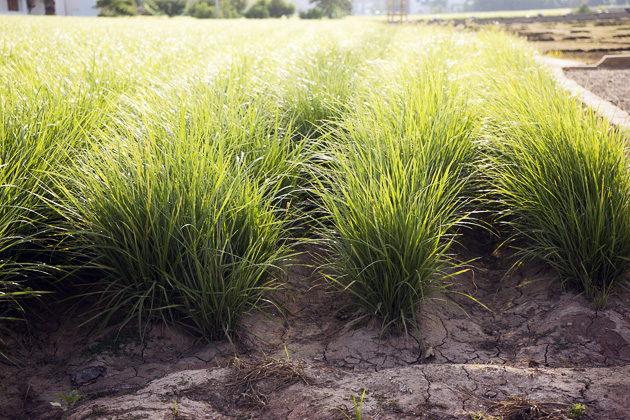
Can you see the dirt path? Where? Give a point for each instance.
(534, 340)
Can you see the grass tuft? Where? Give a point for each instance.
(396, 189)
(179, 226)
(561, 177)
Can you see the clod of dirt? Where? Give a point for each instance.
(87, 375)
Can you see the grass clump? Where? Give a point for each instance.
(39, 132)
(181, 232)
(396, 189)
(561, 177)
(321, 83)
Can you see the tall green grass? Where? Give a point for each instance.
(40, 129)
(397, 187)
(561, 177)
(179, 158)
(179, 191)
(320, 87)
(183, 232)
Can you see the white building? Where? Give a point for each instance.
(62, 7)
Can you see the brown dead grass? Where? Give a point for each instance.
(518, 408)
(252, 382)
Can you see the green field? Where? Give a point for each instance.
(173, 167)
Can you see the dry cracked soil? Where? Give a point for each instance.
(530, 339)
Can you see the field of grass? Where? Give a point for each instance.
(169, 168)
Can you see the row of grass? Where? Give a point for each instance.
(561, 180)
(169, 172)
(400, 182)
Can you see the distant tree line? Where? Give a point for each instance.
(488, 5)
(205, 9)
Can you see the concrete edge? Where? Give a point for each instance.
(612, 113)
(614, 61)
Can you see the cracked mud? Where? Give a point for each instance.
(532, 339)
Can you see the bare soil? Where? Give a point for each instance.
(611, 85)
(586, 41)
(533, 339)
(585, 38)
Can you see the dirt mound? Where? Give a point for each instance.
(433, 391)
(530, 339)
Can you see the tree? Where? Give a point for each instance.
(165, 7)
(259, 10)
(314, 13)
(279, 8)
(263, 9)
(230, 9)
(204, 9)
(584, 8)
(49, 7)
(116, 7)
(201, 10)
(239, 5)
(333, 8)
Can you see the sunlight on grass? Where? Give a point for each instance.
(169, 167)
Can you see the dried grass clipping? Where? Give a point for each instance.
(523, 409)
(252, 382)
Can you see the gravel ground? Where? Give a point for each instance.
(611, 85)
